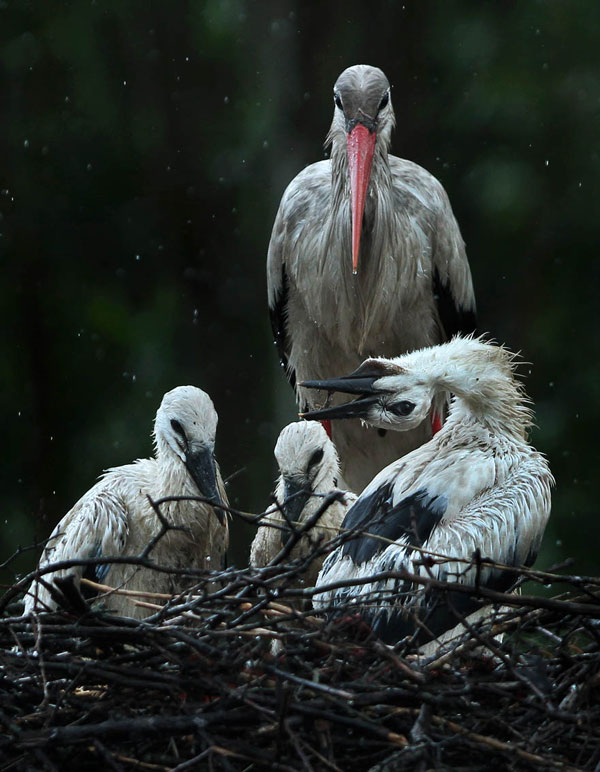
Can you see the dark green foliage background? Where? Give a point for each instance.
(144, 147)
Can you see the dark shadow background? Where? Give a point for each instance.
(144, 147)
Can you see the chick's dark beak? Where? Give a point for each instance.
(359, 408)
(203, 469)
(360, 382)
(296, 493)
(347, 384)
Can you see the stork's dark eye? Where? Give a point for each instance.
(338, 101)
(316, 457)
(401, 408)
(177, 427)
(384, 101)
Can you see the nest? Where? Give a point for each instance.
(241, 674)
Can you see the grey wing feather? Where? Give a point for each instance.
(97, 525)
(301, 206)
(278, 289)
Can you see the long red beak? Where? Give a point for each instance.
(361, 144)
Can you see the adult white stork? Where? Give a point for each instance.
(308, 471)
(365, 258)
(115, 518)
(476, 487)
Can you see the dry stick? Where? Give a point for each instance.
(492, 742)
(487, 643)
(298, 533)
(131, 593)
(406, 670)
(112, 729)
(165, 527)
(89, 563)
(345, 695)
(337, 718)
(322, 758)
(140, 764)
(449, 690)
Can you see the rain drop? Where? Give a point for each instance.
(26, 144)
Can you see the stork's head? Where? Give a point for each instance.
(308, 463)
(398, 393)
(389, 396)
(363, 117)
(185, 428)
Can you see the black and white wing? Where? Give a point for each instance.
(380, 537)
(504, 524)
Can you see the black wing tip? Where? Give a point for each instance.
(279, 325)
(455, 318)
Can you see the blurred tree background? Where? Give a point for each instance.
(144, 147)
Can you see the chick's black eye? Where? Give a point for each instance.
(385, 100)
(315, 458)
(338, 101)
(177, 427)
(401, 408)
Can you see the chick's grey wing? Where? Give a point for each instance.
(97, 526)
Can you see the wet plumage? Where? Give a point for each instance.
(413, 287)
(115, 518)
(476, 486)
(309, 470)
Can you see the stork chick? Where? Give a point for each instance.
(114, 518)
(309, 468)
(477, 487)
(365, 258)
